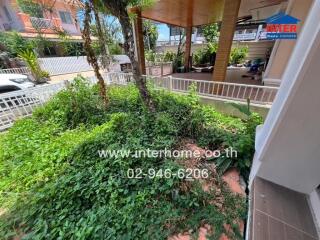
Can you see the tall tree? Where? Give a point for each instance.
(92, 59)
(119, 9)
(211, 32)
(98, 15)
(150, 34)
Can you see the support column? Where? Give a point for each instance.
(228, 25)
(188, 48)
(138, 28)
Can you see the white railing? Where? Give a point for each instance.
(17, 104)
(23, 70)
(233, 91)
(41, 23)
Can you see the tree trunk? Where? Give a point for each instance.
(119, 10)
(105, 58)
(91, 57)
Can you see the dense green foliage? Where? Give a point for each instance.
(154, 57)
(54, 185)
(14, 43)
(211, 32)
(31, 59)
(238, 54)
(150, 35)
(111, 30)
(31, 8)
(205, 55)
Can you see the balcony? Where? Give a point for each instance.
(43, 25)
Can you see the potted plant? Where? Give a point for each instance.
(31, 60)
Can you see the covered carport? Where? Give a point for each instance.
(192, 13)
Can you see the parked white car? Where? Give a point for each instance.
(12, 82)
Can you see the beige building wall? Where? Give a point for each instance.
(283, 48)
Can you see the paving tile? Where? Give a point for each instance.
(285, 205)
(308, 237)
(276, 230)
(260, 197)
(292, 234)
(260, 227)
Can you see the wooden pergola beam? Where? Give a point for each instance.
(138, 28)
(228, 25)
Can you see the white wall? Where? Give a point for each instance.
(288, 145)
(283, 48)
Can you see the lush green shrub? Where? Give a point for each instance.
(150, 56)
(54, 185)
(211, 32)
(169, 56)
(154, 57)
(204, 55)
(14, 43)
(31, 59)
(79, 104)
(115, 49)
(238, 54)
(31, 154)
(31, 8)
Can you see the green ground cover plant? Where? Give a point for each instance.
(54, 185)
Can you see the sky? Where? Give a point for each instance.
(163, 31)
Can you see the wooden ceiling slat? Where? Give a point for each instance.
(186, 13)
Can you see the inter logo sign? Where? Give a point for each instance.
(282, 26)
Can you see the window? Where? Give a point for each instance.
(66, 17)
(6, 11)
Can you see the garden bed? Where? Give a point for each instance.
(55, 183)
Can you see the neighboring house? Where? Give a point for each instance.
(120, 63)
(174, 35)
(61, 15)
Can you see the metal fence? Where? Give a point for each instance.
(232, 91)
(64, 65)
(18, 104)
(23, 70)
(21, 103)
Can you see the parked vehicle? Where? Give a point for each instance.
(13, 82)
